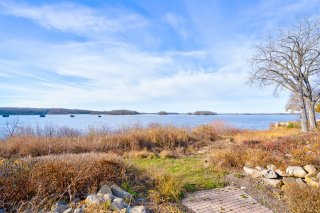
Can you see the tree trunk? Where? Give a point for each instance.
(303, 112)
(311, 115)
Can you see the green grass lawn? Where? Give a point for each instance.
(188, 170)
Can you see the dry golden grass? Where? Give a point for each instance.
(265, 135)
(166, 187)
(278, 146)
(140, 154)
(153, 138)
(302, 199)
(43, 180)
(167, 154)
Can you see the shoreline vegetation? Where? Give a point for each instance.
(157, 165)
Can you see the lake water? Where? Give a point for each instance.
(83, 122)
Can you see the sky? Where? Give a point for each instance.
(176, 56)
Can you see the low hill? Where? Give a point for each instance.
(59, 111)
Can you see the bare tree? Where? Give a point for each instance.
(293, 104)
(11, 127)
(290, 60)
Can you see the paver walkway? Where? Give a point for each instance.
(228, 199)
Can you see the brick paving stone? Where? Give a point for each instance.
(224, 200)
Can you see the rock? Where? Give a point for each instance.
(296, 171)
(69, 210)
(273, 182)
(108, 197)
(269, 174)
(94, 199)
(119, 192)
(318, 176)
(281, 173)
(311, 180)
(105, 189)
(300, 181)
(60, 207)
(139, 209)
(271, 167)
(118, 203)
(259, 168)
(255, 173)
(310, 169)
(286, 180)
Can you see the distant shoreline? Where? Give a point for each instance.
(64, 111)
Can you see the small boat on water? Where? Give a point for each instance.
(99, 116)
(72, 116)
(42, 115)
(5, 116)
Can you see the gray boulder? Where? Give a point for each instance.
(255, 173)
(138, 209)
(310, 169)
(287, 180)
(108, 197)
(94, 199)
(60, 207)
(269, 174)
(105, 189)
(273, 182)
(296, 171)
(300, 181)
(119, 192)
(118, 203)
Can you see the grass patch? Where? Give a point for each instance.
(188, 170)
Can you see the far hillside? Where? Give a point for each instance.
(204, 113)
(59, 111)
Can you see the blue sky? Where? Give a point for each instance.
(142, 55)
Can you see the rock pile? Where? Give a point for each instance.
(109, 198)
(277, 178)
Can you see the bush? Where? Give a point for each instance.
(301, 198)
(63, 177)
(152, 138)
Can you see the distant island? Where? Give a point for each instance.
(60, 111)
(204, 113)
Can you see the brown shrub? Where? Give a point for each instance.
(154, 137)
(302, 199)
(215, 130)
(222, 159)
(55, 177)
(236, 156)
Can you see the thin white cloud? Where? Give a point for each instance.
(176, 23)
(74, 18)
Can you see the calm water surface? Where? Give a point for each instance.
(83, 122)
